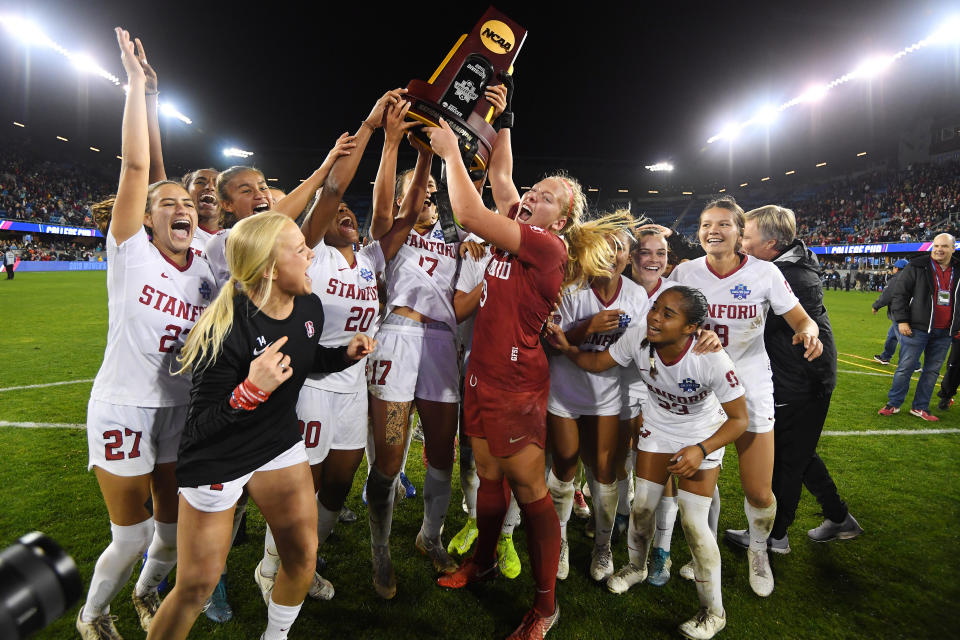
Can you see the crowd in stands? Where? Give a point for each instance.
(53, 250)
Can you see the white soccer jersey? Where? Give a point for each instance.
(216, 255)
(200, 238)
(684, 395)
(350, 306)
(153, 304)
(662, 286)
(738, 305)
(471, 277)
(422, 276)
(578, 391)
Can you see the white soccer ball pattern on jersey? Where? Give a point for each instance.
(350, 306)
(422, 276)
(153, 305)
(738, 305)
(578, 392)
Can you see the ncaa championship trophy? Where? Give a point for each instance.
(455, 93)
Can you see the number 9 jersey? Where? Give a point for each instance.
(153, 304)
(350, 306)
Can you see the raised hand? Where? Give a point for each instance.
(443, 141)
(128, 55)
(271, 368)
(376, 116)
(395, 124)
(497, 96)
(341, 147)
(148, 72)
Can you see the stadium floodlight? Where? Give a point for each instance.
(949, 32)
(872, 67)
(593, 189)
(233, 152)
(31, 35)
(764, 179)
(94, 149)
(688, 193)
(861, 154)
(19, 124)
(623, 191)
(767, 115)
(660, 166)
(743, 184)
(652, 191)
(171, 111)
(814, 93)
(790, 173)
(62, 139)
(821, 164)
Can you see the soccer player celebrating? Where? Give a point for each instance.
(583, 411)
(249, 354)
(740, 290)
(507, 382)
(696, 408)
(137, 409)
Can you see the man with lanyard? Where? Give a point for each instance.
(923, 305)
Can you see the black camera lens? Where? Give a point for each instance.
(38, 582)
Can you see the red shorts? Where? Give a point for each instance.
(507, 420)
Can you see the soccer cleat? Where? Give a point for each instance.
(217, 607)
(580, 507)
(830, 530)
(703, 626)
(563, 566)
(923, 415)
(585, 489)
(535, 627)
(761, 577)
(507, 558)
(468, 573)
(146, 606)
(620, 525)
(434, 550)
(629, 575)
(321, 589)
(888, 410)
(590, 529)
(601, 562)
(659, 567)
(687, 571)
(100, 628)
(464, 539)
(347, 515)
(944, 403)
(384, 580)
(882, 360)
(408, 488)
(741, 538)
(264, 582)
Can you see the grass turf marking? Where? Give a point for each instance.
(891, 432)
(46, 384)
(43, 425)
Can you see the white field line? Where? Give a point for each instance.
(46, 384)
(43, 425)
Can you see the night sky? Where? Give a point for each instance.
(601, 89)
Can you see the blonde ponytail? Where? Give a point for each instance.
(589, 254)
(250, 254)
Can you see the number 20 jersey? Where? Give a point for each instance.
(350, 306)
(153, 304)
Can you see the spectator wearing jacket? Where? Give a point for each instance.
(801, 388)
(924, 306)
(893, 335)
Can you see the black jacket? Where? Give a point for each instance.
(794, 377)
(914, 292)
(887, 295)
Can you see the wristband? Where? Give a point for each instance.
(700, 444)
(247, 396)
(505, 121)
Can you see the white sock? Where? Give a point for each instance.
(562, 494)
(643, 521)
(469, 480)
(436, 499)
(115, 565)
(605, 506)
(512, 518)
(666, 518)
(694, 513)
(760, 523)
(161, 557)
(714, 518)
(279, 620)
(271, 559)
(381, 493)
(326, 520)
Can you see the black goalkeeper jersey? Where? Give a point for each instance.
(220, 443)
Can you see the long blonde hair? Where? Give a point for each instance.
(250, 254)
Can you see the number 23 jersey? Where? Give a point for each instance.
(153, 304)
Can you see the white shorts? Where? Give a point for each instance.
(130, 441)
(760, 409)
(413, 359)
(653, 440)
(630, 407)
(220, 497)
(558, 408)
(331, 420)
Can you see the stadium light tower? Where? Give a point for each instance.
(815, 93)
(233, 152)
(872, 67)
(949, 32)
(171, 111)
(660, 166)
(767, 115)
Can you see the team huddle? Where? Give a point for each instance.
(248, 357)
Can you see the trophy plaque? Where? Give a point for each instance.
(455, 91)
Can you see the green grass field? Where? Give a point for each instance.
(899, 580)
